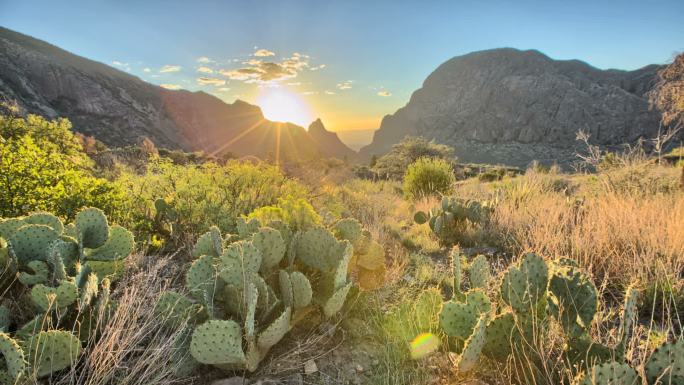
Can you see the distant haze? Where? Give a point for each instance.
(355, 139)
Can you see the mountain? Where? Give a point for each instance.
(510, 106)
(118, 108)
(329, 142)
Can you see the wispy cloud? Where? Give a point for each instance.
(147, 69)
(329, 92)
(204, 60)
(122, 65)
(345, 85)
(384, 93)
(263, 53)
(261, 71)
(310, 93)
(210, 81)
(170, 68)
(170, 86)
(319, 67)
(205, 70)
(223, 89)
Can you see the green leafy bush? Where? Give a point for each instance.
(393, 164)
(428, 177)
(196, 196)
(43, 167)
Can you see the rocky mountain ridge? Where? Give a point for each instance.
(118, 108)
(510, 106)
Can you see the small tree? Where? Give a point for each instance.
(428, 177)
(393, 164)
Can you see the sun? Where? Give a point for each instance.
(281, 105)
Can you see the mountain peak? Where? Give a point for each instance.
(118, 108)
(512, 106)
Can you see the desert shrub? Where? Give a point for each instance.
(428, 177)
(297, 213)
(43, 167)
(201, 195)
(393, 164)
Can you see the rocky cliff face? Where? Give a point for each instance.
(510, 106)
(118, 108)
(329, 142)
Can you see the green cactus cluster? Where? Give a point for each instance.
(531, 293)
(247, 290)
(63, 273)
(448, 220)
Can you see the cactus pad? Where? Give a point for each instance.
(473, 346)
(201, 277)
(666, 364)
(336, 301)
(10, 226)
(112, 270)
(373, 258)
(459, 318)
(119, 245)
(275, 331)
(479, 272)
(32, 242)
(318, 249)
(40, 274)
(46, 297)
(501, 336)
(301, 290)
(573, 300)
(210, 243)
(456, 271)
(43, 218)
(51, 351)
(14, 356)
(92, 228)
(286, 291)
(349, 229)
(217, 342)
(629, 314)
(271, 246)
(246, 254)
(610, 373)
(524, 285)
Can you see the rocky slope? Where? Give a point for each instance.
(510, 106)
(119, 109)
(329, 142)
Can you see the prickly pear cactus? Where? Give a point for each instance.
(666, 364)
(368, 260)
(524, 285)
(572, 300)
(611, 373)
(217, 342)
(449, 219)
(92, 228)
(209, 243)
(473, 346)
(459, 318)
(14, 357)
(479, 272)
(231, 286)
(51, 351)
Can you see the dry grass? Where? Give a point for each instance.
(133, 347)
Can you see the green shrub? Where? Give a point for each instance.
(393, 164)
(200, 195)
(428, 177)
(43, 167)
(297, 213)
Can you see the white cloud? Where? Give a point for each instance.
(223, 89)
(260, 71)
(170, 68)
(170, 86)
(204, 60)
(205, 70)
(316, 68)
(329, 92)
(310, 93)
(122, 65)
(147, 69)
(384, 93)
(346, 85)
(263, 53)
(210, 81)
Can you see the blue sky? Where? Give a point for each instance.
(350, 61)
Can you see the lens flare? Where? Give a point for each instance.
(423, 345)
(282, 105)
